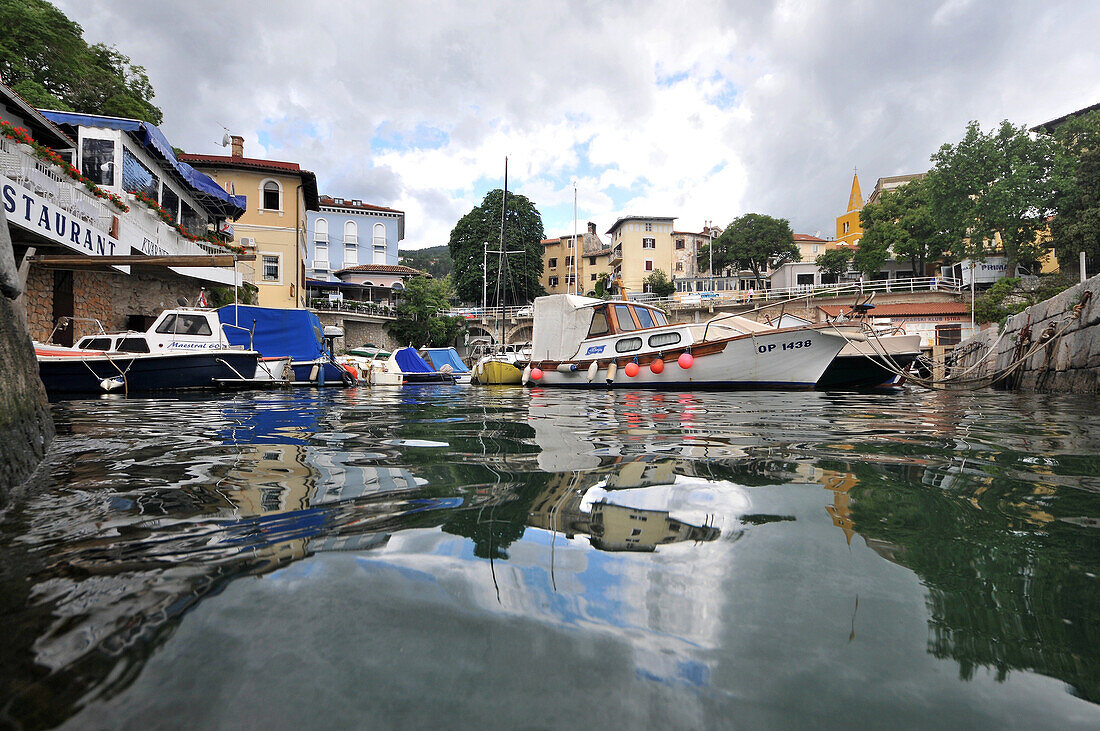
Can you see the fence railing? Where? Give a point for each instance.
(379, 309)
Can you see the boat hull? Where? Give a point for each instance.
(491, 372)
(783, 359)
(871, 364)
(310, 372)
(144, 372)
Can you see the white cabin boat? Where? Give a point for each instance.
(580, 341)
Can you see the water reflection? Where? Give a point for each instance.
(621, 514)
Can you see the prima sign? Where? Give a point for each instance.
(34, 213)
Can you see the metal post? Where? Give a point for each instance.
(972, 277)
(1083, 275)
(485, 278)
(710, 252)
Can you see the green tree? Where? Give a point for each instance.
(44, 57)
(658, 283)
(834, 262)
(523, 232)
(995, 184)
(1076, 227)
(603, 285)
(435, 260)
(753, 241)
(420, 317)
(902, 222)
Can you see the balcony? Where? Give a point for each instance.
(616, 255)
(89, 225)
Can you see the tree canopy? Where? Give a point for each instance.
(44, 57)
(834, 262)
(752, 241)
(523, 232)
(435, 260)
(421, 317)
(903, 222)
(1076, 228)
(658, 283)
(994, 184)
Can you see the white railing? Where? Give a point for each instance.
(379, 309)
(689, 300)
(22, 166)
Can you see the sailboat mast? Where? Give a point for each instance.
(576, 248)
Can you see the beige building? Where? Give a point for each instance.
(686, 246)
(563, 267)
(274, 224)
(640, 245)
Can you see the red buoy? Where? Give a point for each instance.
(685, 360)
(657, 366)
(631, 369)
(536, 374)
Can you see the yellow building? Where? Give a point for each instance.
(640, 245)
(848, 230)
(562, 267)
(812, 247)
(274, 224)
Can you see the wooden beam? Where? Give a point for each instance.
(61, 261)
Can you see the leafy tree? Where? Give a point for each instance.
(659, 284)
(523, 231)
(834, 262)
(603, 285)
(420, 315)
(753, 241)
(1076, 227)
(435, 260)
(902, 221)
(995, 184)
(44, 57)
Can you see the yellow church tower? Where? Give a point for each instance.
(848, 230)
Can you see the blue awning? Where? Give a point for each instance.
(208, 192)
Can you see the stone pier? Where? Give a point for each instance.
(1062, 335)
(26, 428)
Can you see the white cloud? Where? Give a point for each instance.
(703, 111)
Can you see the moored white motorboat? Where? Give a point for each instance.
(183, 349)
(581, 341)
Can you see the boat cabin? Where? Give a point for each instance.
(183, 329)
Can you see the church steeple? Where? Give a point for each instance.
(855, 200)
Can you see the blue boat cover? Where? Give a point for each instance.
(153, 140)
(448, 356)
(410, 362)
(279, 333)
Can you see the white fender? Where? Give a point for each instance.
(592, 371)
(611, 372)
(313, 373)
(526, 374)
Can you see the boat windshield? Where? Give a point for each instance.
(623, 318)
(599, 323)
(185, 325)
(645, 319)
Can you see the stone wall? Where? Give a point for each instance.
(1067, 363)
(358, 331)
(26, 428)
(110, 297)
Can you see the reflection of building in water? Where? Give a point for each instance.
(339, 478)
(609, 526)
(270, 478)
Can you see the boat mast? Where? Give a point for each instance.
(502, 270)
(576, 249)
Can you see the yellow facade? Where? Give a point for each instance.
(277, 236)
(640, 245)
(848, 230)
(592, 261)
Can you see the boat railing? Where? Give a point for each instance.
(64, 322)
(251, 332)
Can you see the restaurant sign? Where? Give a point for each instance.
(33, 212)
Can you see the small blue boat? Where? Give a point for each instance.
(296, 334)
(446, 360)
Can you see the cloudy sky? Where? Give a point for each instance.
(700, 110)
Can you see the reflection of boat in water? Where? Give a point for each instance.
(580, 341)
(182, 349)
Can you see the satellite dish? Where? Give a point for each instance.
(225, 140)
(181, 301)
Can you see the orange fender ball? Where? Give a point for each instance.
(657, 366)
(631, 369)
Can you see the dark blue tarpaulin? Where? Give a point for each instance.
(278, 333)
(446, 356)
(410, 362)
(154, 141)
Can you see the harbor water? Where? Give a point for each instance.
(526, 558)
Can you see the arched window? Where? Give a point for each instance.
(379, 235)
(271, 195)
(351, 244)
(320, 231)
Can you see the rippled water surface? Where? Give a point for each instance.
(454, 556)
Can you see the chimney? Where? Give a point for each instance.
(238, 145)
(591, 228)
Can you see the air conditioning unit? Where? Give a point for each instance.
(248, 241)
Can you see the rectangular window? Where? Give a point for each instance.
(553, 281)
(649, 227)
(592, 260)
(592, 277)
(136, 177)
(649, 243)
(570, 279)
(679, 243)
(320, 256)
(271, 268)
(192, 221)
(553, 263)
(351, 255)
(568, 261)
(622, 316)
(679, 266)
(948, 334)
(98, 161)
(169, 201)
(649, 265)
(816, 248)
